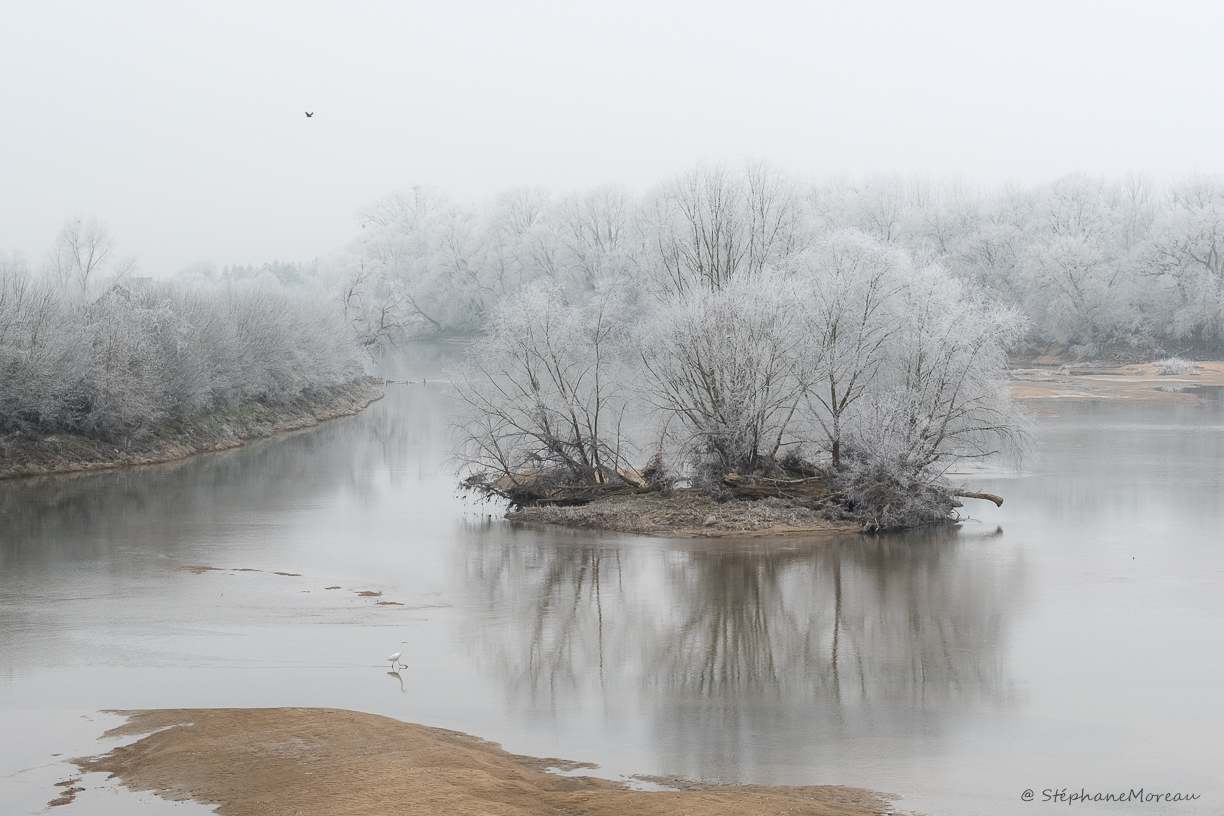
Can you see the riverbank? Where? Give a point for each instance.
(1053, 382)
(215, 430)
(326, 761)
(688, 514)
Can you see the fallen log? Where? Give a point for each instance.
(759, 487)
(575, 495)
(965, 494)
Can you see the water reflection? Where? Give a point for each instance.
(85, 516)
(725, 645)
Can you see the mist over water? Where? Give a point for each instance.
(1066, 640)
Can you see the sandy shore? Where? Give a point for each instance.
(1129, 383)
(327, 761)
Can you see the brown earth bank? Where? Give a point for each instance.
(327, 761)
(214, 430)
(1051, 381)
(688, 514)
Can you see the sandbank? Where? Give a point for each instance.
(326, 761)
(1128, 383)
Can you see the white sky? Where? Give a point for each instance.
(182, 124)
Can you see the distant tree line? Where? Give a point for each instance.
(1097, 267)
(87, 347)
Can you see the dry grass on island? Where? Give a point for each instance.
(646, 503)
(317, 761)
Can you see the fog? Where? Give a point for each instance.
(184, 128)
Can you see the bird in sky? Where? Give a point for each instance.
(309, 114)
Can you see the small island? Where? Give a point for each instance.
(828, 393)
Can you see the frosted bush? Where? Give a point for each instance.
(1173, 365)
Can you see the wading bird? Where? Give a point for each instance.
(395, 657)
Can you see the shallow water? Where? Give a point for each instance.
(1068, 640)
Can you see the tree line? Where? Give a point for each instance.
(1096, 266)
(86, 347)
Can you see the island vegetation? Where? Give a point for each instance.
(843, 380)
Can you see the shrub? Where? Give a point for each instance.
(1173, 365)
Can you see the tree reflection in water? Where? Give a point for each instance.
(737, 653)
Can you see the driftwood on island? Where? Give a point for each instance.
(547, 488)
(869, 506)
(526, 489)
(965, 494)
(759, 487)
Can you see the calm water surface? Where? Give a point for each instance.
(1071, 639)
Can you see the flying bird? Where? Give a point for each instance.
(309, 114)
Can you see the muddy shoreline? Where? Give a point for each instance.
(327, 761)
(214, 430)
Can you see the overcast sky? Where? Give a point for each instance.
(183, 126)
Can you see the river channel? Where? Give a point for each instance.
(1071, 639)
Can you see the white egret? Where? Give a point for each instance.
(395, 657)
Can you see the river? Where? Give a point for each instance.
(1072, 639)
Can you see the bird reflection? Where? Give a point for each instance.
(396, 675)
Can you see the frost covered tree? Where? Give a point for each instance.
(544, 392)
(399, 276)
(849, 314)
(1078, 267)
(940, 397)
(37, 346)
(710, 223)
(725, 368)
(600, 239)
(1187, 253)
(82, 247)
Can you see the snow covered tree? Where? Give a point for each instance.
(709, 224)
(848, 307)
(544, 391)
(941, 398)
(725, 368)
(80, 251)
(1187, 253)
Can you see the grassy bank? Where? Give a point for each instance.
(25, 454)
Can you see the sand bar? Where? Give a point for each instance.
(1128, 383)
(327, 761)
